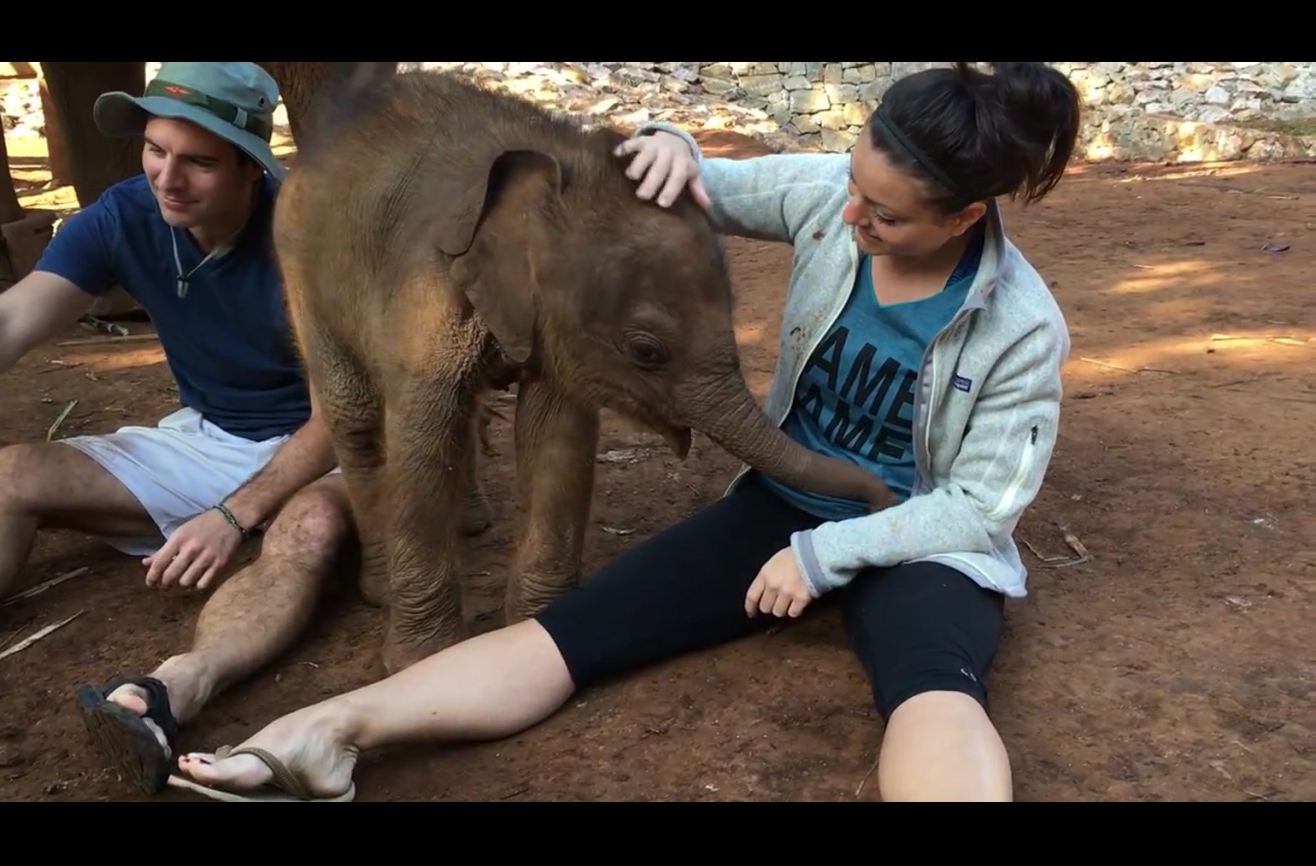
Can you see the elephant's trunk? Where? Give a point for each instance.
(724, 410)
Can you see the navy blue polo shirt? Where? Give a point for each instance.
(227, 341)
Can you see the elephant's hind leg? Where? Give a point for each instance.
(479, 516)
(556, 448)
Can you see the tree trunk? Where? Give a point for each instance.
(57, 144)
(10, 210)
(95, 161)
(23, 234)
(301, 83)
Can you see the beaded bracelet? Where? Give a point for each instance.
(232, 521)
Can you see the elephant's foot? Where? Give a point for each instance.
(402, 650)
(422, 624)
(527, 596)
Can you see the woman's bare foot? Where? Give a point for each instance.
(311, 743)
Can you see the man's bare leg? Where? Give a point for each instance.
(53, 486)
(488, 688)
(252, 619)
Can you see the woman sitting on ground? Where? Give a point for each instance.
(921, 344)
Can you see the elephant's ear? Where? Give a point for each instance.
(499, 279)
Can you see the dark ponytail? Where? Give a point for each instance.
(971, 136)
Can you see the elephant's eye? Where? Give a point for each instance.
(647, 352)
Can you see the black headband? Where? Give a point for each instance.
(921, 158)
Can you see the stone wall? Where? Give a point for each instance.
(1143, 110)
(1172, 111)
(1169, 110)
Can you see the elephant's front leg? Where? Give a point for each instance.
(556, 448)
(428, 445)
(352, 407)
(354, 413)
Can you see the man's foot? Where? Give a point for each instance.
(132, 727)
(299, 755)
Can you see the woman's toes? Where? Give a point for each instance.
(242, 773)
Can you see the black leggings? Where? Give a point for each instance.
(916, 628)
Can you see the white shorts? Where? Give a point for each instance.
(177, 470)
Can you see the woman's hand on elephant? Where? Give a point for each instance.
(779, 590)
(664, 165)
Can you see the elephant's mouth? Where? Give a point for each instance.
(676, 435)
(678, 438)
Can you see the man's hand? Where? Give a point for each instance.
(203, 546)
(195, 554)
(779, 589)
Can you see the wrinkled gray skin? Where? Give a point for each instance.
(440, 241)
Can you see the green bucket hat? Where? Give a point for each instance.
(235, 101)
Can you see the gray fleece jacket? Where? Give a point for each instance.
(989, 393)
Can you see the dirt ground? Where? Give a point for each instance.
(1176, 665)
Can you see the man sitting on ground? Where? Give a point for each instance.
(190, 240)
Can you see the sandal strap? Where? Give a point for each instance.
(157, 704)
(283, 777)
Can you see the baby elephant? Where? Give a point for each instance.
(439, 241)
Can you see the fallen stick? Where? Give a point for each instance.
(60, 365)
(110, 341)
(46, 632)
(1076, 545)
(1111, 366)
(59, 422)
(859, 792)
(1283, 341)
(1047, 560)
(48, 585)
(1057, 561)
(100, 326)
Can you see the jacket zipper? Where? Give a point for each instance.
(928, 387)
(1021, 473)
